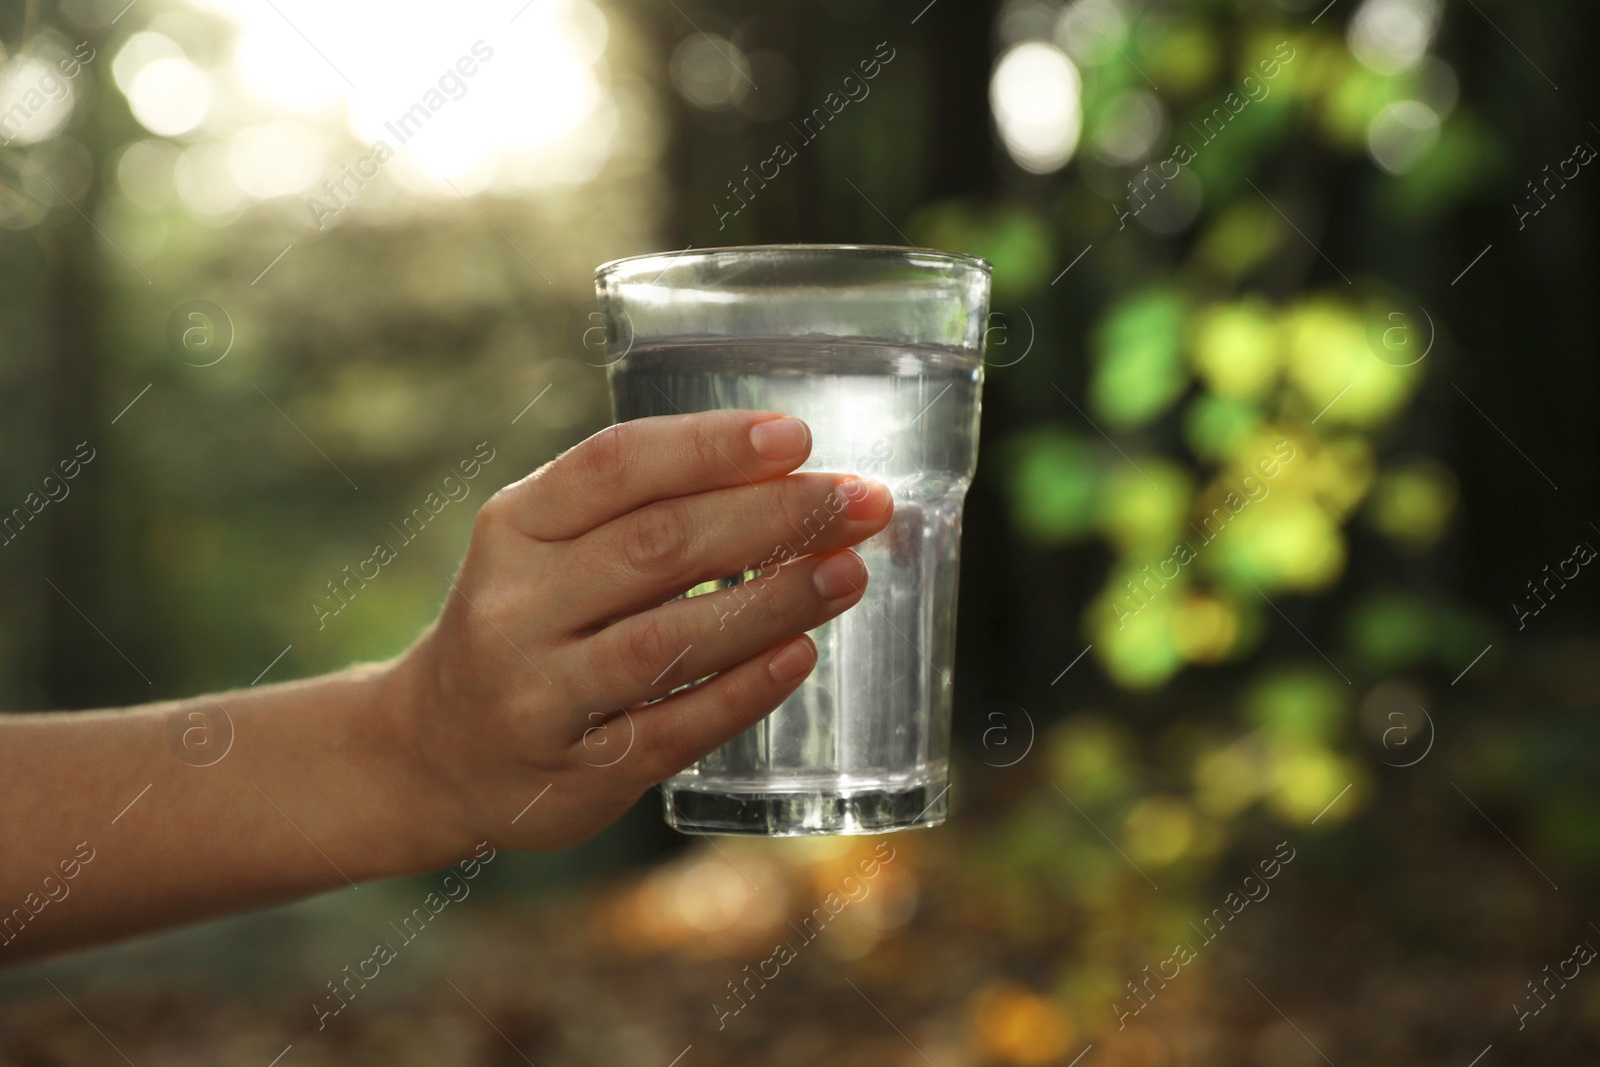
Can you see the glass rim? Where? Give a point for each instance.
(905, 252)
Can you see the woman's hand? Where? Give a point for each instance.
(521, 717)
(528, 699)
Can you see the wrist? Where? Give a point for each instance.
(433, 830)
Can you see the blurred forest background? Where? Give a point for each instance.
(1363, 228)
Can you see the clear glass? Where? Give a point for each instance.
(880, 351)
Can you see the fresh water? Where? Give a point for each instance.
(864, 742)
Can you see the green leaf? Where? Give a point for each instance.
(1138, 349)
(1053, 482)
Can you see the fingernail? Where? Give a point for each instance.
(793, 661)
(781, 438)
(864, 499)
(839, 575)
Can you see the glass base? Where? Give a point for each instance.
(804, 814)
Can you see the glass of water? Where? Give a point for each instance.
(879, 350)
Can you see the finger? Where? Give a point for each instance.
(646, 558)
(636, 463)
(686, 726)
(645, 656)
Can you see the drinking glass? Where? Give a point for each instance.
(879, 350)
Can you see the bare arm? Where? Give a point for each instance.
(109, 832)
(560, 624)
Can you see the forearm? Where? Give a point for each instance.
(297, 788)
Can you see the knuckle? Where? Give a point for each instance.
(648, 649)
(804, 508)
(702, 449)
(672, 744)
(495, 512)
(658, 538)
(604, 459)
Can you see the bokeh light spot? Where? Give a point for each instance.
(710, 71)
(1036, 98)
(169, 96)
(1401, 135)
